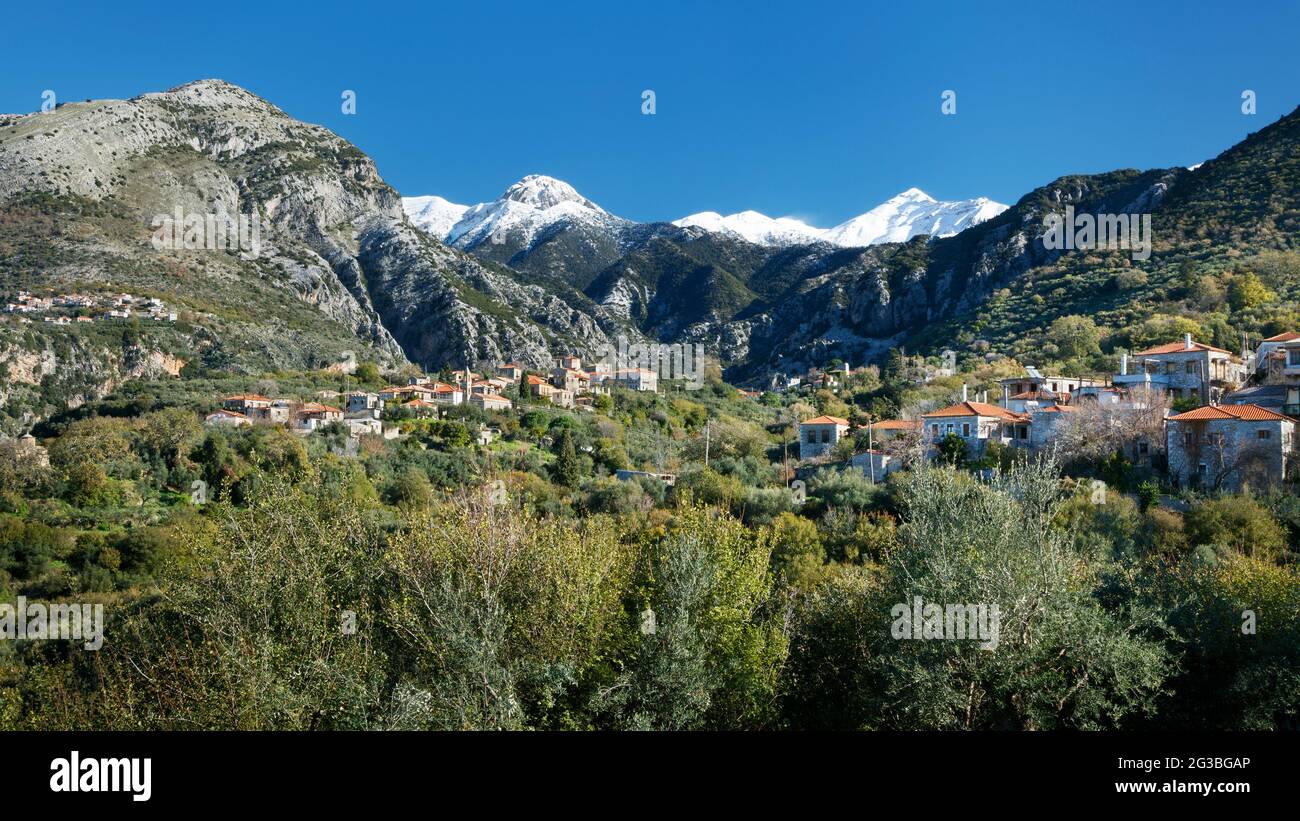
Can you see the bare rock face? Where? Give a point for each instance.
(338, 267)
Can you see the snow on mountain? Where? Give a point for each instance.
(898, 219)
(754, 227)
(433, 214)
(537, 202)
(909, 214)
(520, 214)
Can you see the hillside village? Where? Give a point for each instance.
(65, 309)
(366, 478)
(1200, 416)
(568, 385)
(1208, 418)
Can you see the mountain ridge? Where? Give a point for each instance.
(537, 203)
(348, 274)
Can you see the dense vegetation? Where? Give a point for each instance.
(429, 582)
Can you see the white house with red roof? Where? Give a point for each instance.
(1186, 370)
(313, 416)
(1223, 447)
(539, 388)
(1270, 354)
(978, 423)
(820, 435)
(227, 417)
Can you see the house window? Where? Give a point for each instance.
(1187, 439)
(965, 429)
(1200, 469)
(826, 436)
(934, 429)
(1191, 367)
(1053, 387)
(1171, 367)
(1264, 434)
(1142, 448)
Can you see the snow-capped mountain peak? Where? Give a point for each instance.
(433, 214)
(912, 195)
(537, 202)
(543, 192)
(518, 216)
(909, 214)
(897, 219)
(754, 227)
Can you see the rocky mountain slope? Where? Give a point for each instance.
(340, 274)
(346, 271)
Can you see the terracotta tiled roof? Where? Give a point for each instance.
(1058, 409)
(897, 424)
(1288, 336)
(976, 409)
(1178, 347)
(224, 412)
(826, 420)
(247, 397)
(1242, 413)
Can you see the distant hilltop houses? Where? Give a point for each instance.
(65, 309)
(567, 385)
(1238, 427)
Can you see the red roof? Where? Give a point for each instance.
(1288, 336)
(1178, 347)
(1059, 409)
(247, 397)
(1241, 413)
(976, 409)
(826, 420)
(897, 424)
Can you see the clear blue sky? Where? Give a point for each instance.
(818, 110)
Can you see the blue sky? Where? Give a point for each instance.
(816, 110)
